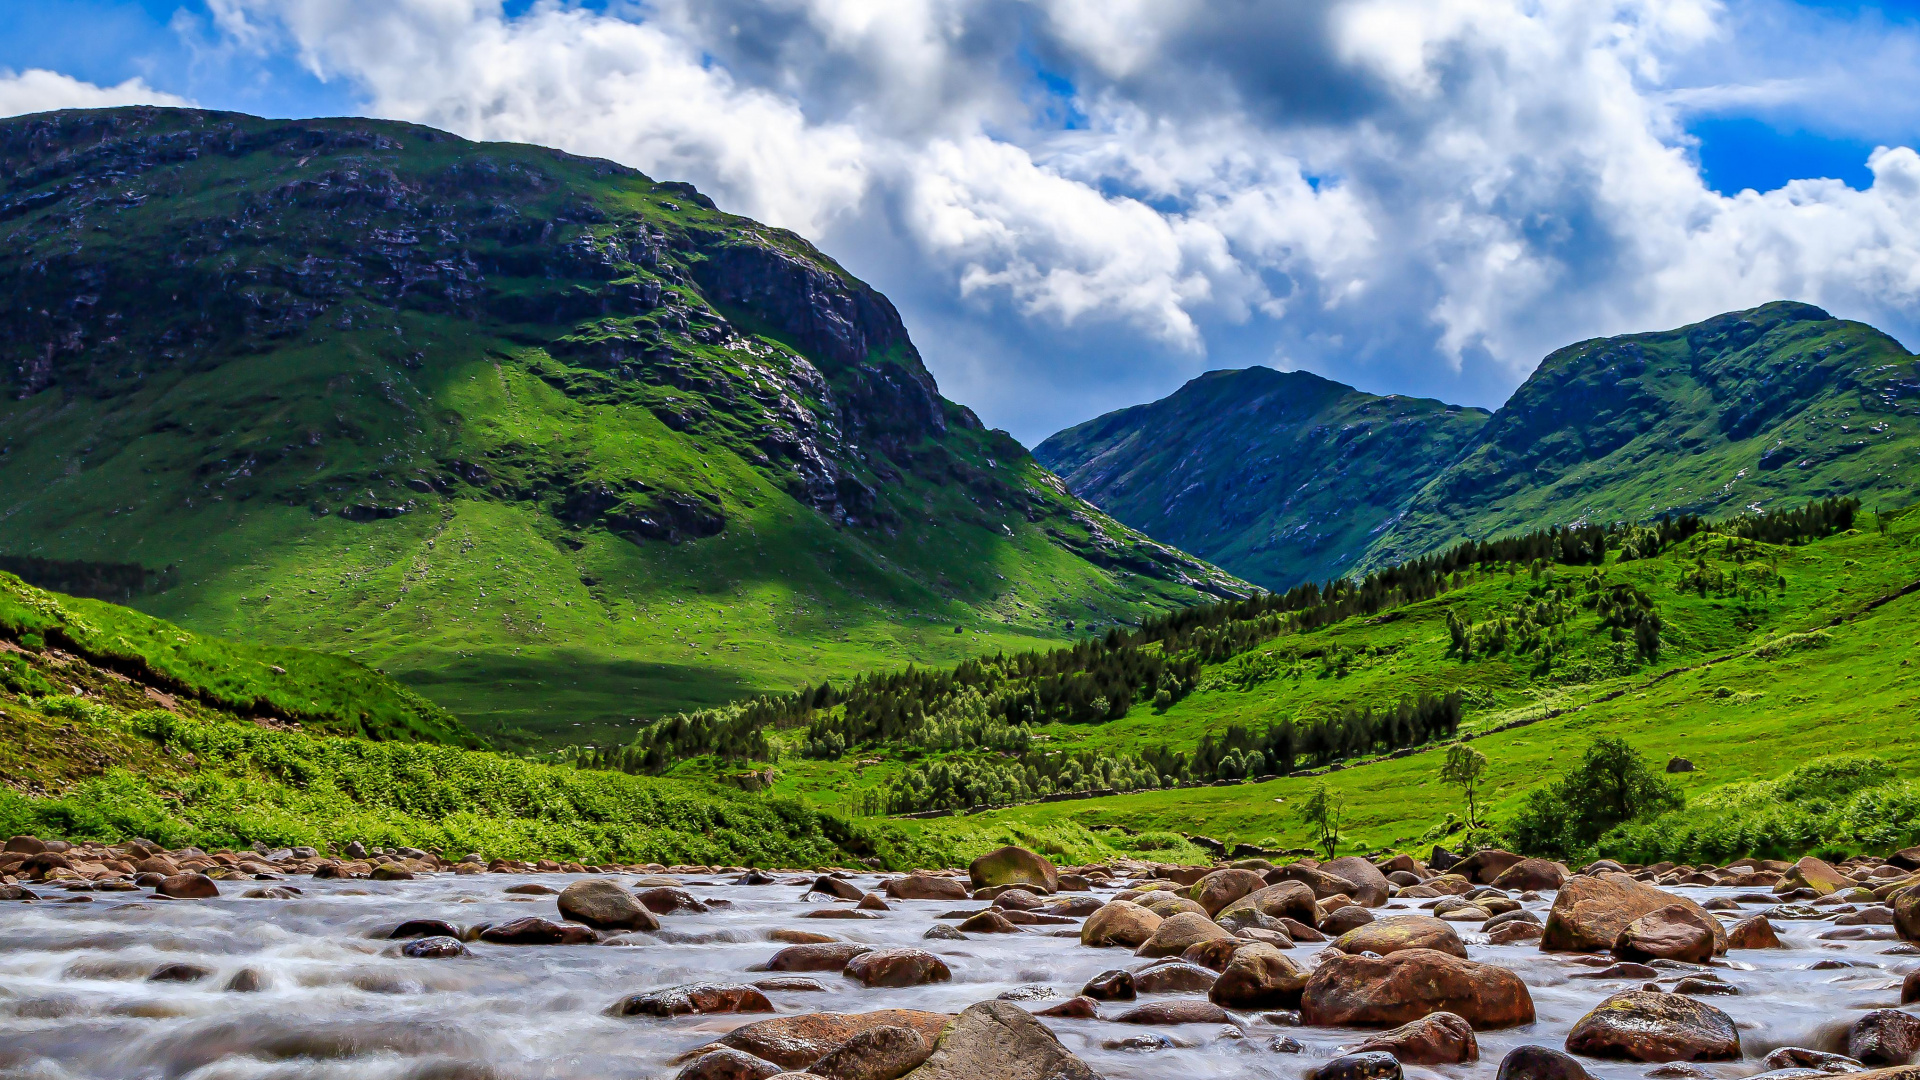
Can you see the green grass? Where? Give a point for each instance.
(1744, 688)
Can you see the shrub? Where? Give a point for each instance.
(1613, 784)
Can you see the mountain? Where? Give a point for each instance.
(1290, 478)
(1282, 476)
(1750, 409)
(559, 446)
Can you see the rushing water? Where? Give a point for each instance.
(338, 1001)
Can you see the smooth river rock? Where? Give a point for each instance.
(1368, 991)
(1646, 1025)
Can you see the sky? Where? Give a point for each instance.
(1077, 205)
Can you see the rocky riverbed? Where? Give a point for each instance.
(402, 965)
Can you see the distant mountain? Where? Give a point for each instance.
(1747, 410)
(559, 446)
(1281, 476)
(1287, 478)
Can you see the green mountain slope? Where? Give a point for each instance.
(1279, 477)
(1776, 645)
(559, 446)
(1748, 409)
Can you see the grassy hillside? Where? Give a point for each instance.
(557, 445)
(1770, 655)
(1281, 477)
(1760, 408)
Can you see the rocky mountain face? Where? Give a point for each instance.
(358, 382)
(1283, 476)
(1288, 478)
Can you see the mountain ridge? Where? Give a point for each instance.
(560, 446)
(1746, 409)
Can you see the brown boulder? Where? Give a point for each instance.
(1590, 911)
(603, 905)
(821, 956)
(989, 922)
(923, 886)
(666, 899)
(1514, 933)
(1370, 885)
(882, 1053)
(1753, 932)
(1222, 887)
(1485, 865)
(188, 886)
(1119, 922)
(897, 968)
(1259, 977)
(1531, 874)
(537, 931)
(1179, 977)
(1185, 1011)
(1435, 1039)
(1884, 1037)
(1906, 914)
(1344, 919)
(1646, 1025)
(1180, 933)
(1110, 986)
(1013, 866)
(1074, 1008)
(1167, 905)
(1366, 991)
(727, 1063)
(795, 1042)
(1322, 883)
(1541, 1063)
(25, 845)
(1814, 874)
(1002, 1041)
(697, 999)
(1397, 932)
(1673, 932)
(1214, 953)
(1286, 900)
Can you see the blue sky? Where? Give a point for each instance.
(1079, 205)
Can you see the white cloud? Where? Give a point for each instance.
(1420, 195)
(38, 90)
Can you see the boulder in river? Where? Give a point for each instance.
(422, 928)
(1176, 935)
(1178, 977)
(1535, 875)
(188, 886)
(1884, 1037)
(698, 999)
(1814, 874)
(897, 968)
(1674, 932)
(1647, 1025)
(989, 922)
(1372, 991)
(1541, 1063)
(1013, 866)
(1222, 887)
(1259, 977)
(882, 1053)
(1483, 866)
(1074, 1008)
(920, 885)
(1397, 932)
(603, 905)
(837, 887)
(1906, 914)
(433, 948)
(727, 1063)
(1000, 1040)
(1177, 1011)
(1113, 985)
(1590, 911)
(1369, 884)
(821, 956)
(1372, 1065)
(667, 900)
(797, 1041)
(1753, 932)
(1343, 919)
(537, 931)
(1286, 900)
(1435, 1039)
(1323, 884)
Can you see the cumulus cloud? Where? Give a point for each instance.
(38, 90)
(1416, 195)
